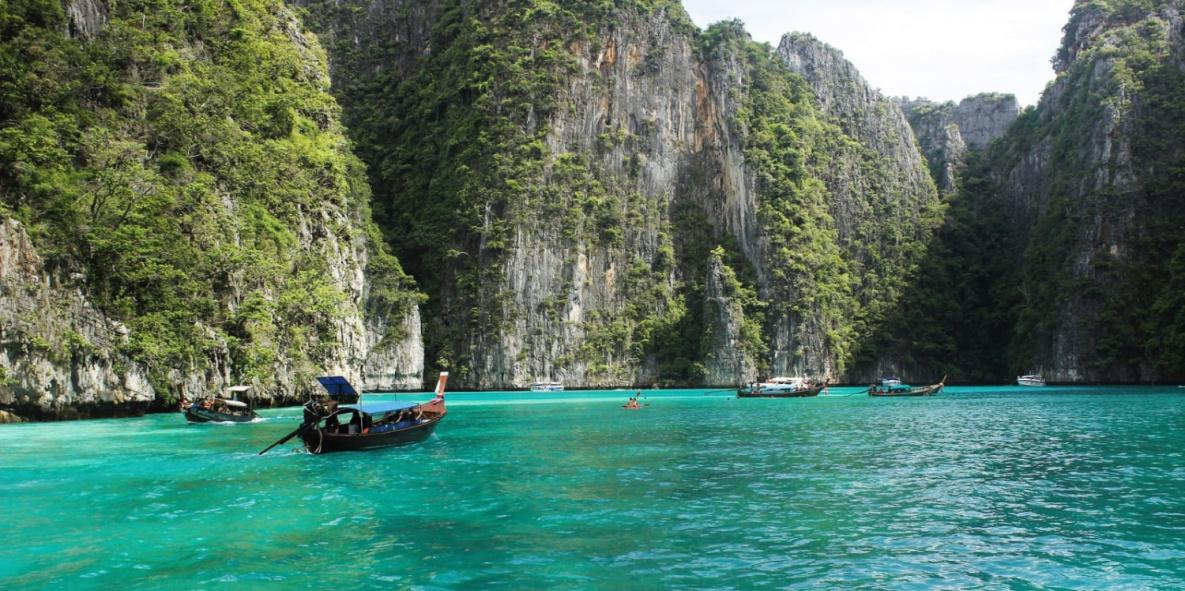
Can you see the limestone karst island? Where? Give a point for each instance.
(590, 294)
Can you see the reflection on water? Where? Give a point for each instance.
(979, 488)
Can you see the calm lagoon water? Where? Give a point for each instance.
(993, 488)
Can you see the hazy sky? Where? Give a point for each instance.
(940, 49)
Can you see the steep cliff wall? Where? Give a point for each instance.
(1094, 178)
(883, 200)
(557, 177)
(1062, 249)
(946, 131)
(181, 212)
(732, 345)
(60, 355)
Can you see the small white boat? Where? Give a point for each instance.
(1030, 380)
(547, 387)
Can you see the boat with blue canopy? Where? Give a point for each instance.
(343, 423)
(339, 389)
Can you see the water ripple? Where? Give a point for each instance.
(977, 489)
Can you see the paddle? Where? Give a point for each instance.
(285, 438)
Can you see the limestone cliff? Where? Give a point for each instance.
(179, 212)
(60, 355)
(557, 178)
(1092, 179)
(731, 357)
(947, 131)
(1062, 251)
(883, 200)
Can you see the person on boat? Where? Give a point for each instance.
(331, 422)
(398, 417)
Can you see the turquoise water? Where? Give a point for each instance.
(993, 488)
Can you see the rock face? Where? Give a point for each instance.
(394, 358)
(1066, 237)
(879, 176)
(211, 243)
(1092, 180)
(61, 359)
(621, 164)
(59, 354)
(85, 18)
(727, 363)
(946, 131)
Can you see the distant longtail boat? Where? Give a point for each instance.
(796, 387)
(226, 409)
(893, 387)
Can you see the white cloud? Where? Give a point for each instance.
(941, 49)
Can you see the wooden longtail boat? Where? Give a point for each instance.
(330, 426)
(228, 409)
(893, 387)
(781, 388)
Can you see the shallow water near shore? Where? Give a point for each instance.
(1000, 488)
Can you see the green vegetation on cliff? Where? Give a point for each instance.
(459, 110)
(456, 146)
(784, 137)
(1063, 249)
(188, 160)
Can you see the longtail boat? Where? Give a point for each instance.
(222, 409)
(894, 387)
(342, 423)
(796, 387)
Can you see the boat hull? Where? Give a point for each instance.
(760, 393)
(205, 415)
(319, 440)
(912, 392)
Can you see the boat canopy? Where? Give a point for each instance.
(238, 389)
(788, 380)
(374, 408)
(338, 386)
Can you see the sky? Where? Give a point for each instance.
(938, 49)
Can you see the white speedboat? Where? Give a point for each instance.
(1030, 380)
(547, 387)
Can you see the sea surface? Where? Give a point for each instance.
(979, 488)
